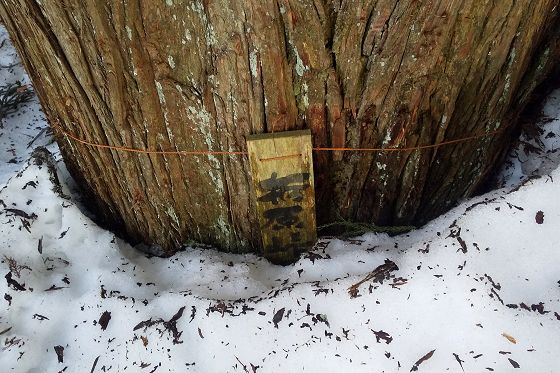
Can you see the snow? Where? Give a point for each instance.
(477, 289)
(522, 164)
(21, 128)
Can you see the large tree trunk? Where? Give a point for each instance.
(203, 74)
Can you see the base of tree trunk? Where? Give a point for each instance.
(527, 123)
(203, 75)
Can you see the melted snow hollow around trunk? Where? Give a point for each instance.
(479, 287)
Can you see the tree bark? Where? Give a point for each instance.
(201, 75)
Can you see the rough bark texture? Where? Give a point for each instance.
(183, 75)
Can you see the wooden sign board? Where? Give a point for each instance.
(282, 170)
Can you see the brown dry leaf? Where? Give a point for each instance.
(539, 217)
(144, 340)
(353, 291)
(509, 338)
(424, 358)
(514, 363)
(378, 275)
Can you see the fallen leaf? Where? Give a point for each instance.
(11, 282)
(63, 233)
(539, 217)
(513, 363)
(509, 338)
(463, 244)
(5, 330)
(421, 360)
(382, 335)
(59, 353)
(278, 317)
(22, 214)
(54, 287)
(378, 275)
(104, 320)
(193, 313)
(94, 364)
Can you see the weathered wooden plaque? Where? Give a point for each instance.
(282, 169)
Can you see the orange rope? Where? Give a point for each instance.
(133, 150)
(420, 147)
(319, 149)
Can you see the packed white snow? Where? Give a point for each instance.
(475, 290)
(27, 128)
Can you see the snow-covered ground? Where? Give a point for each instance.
(25, 129)
(475, 290)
